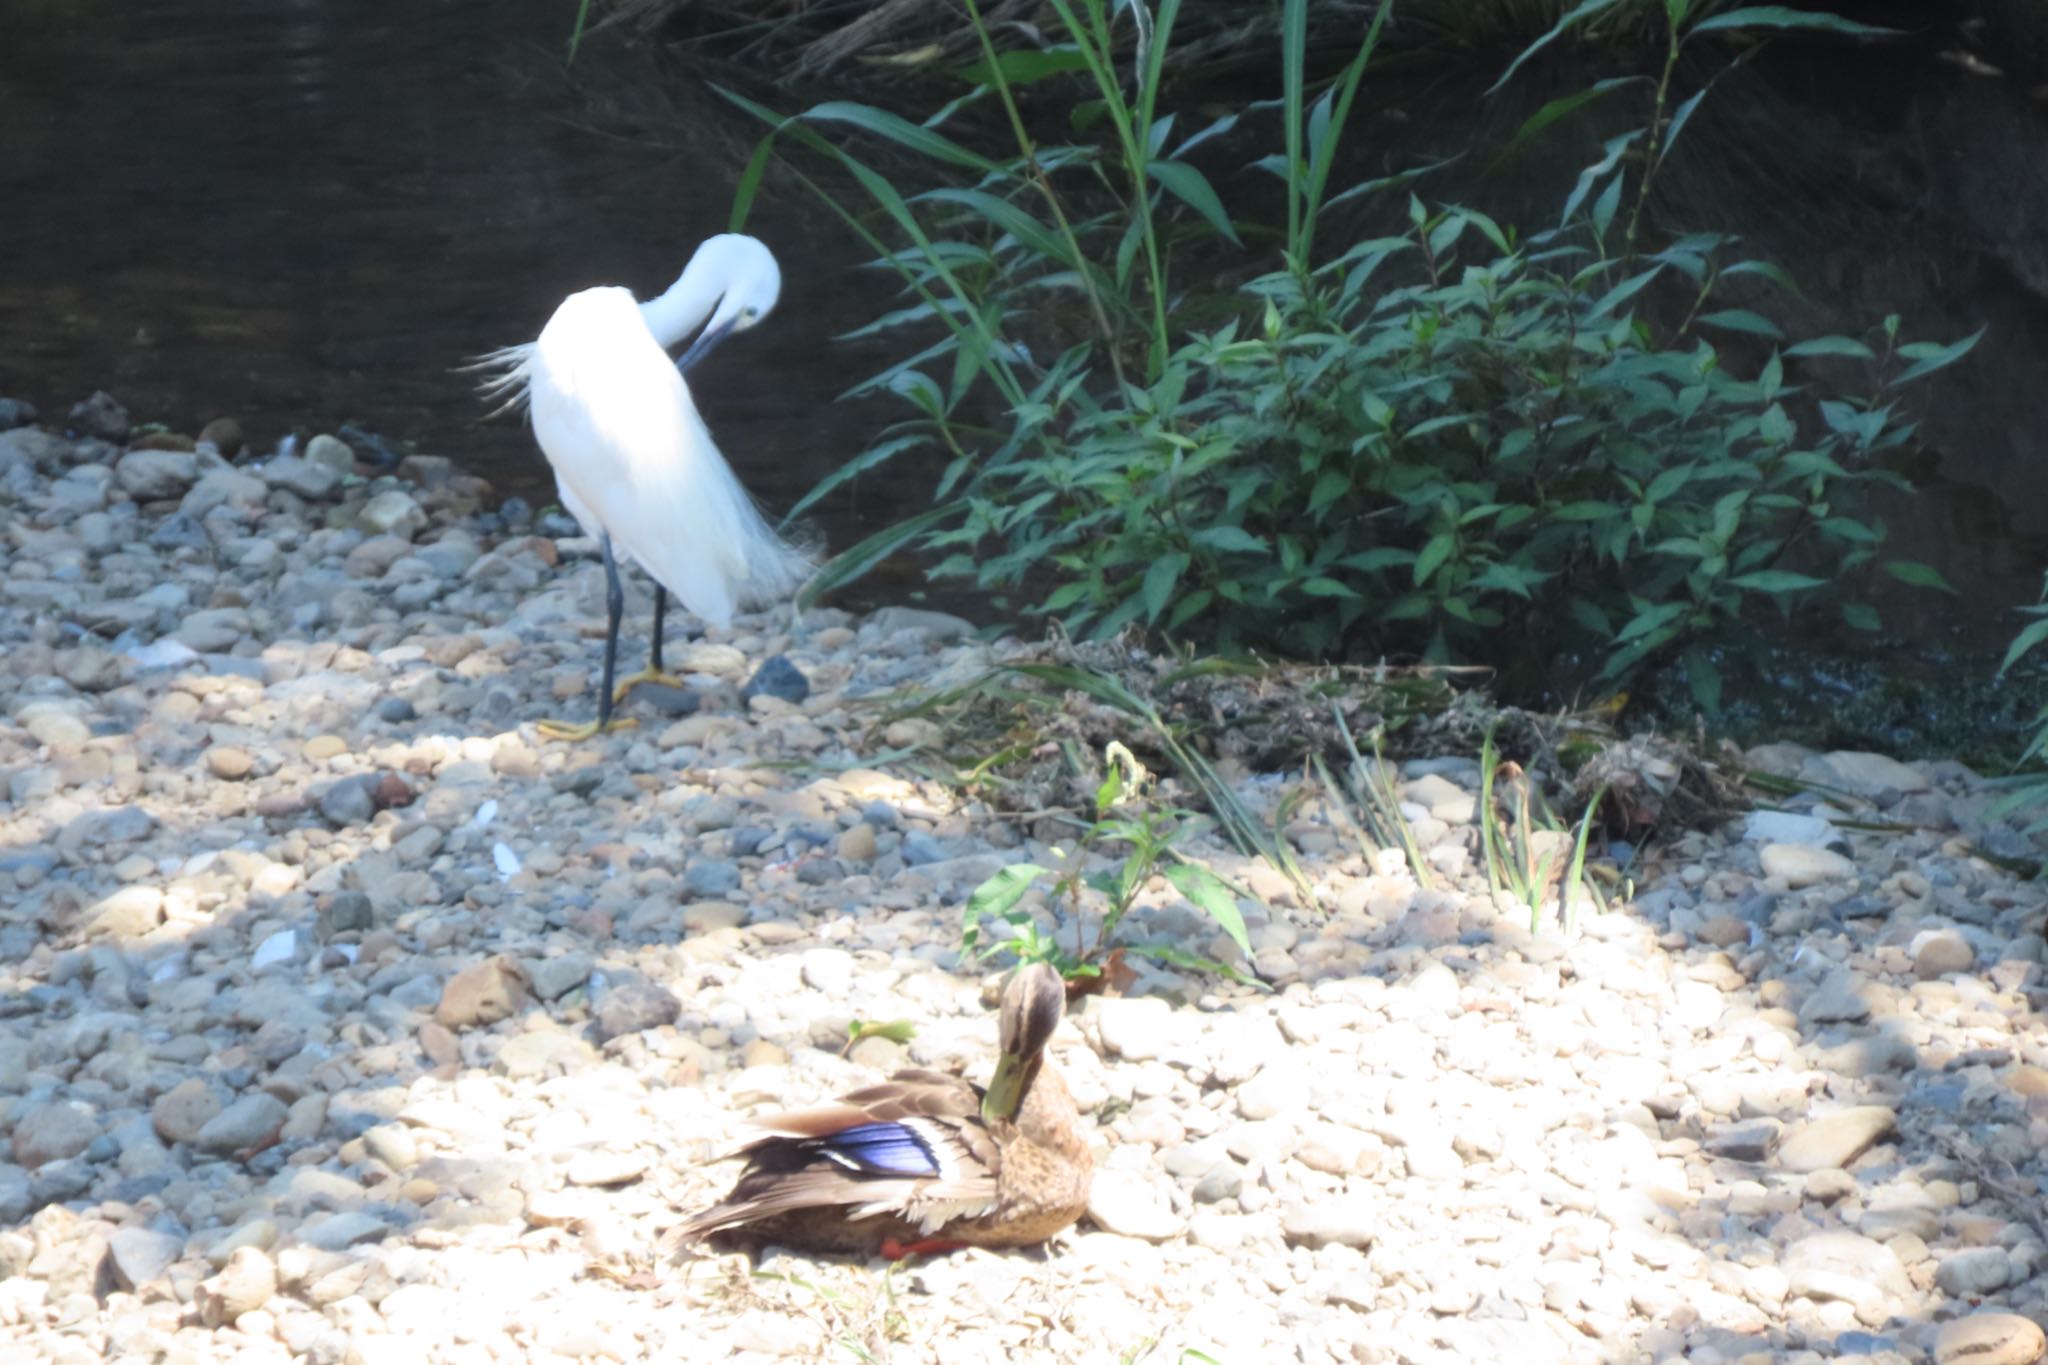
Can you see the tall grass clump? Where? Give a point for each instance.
(1451, 440)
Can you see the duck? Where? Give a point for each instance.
(925, 1162)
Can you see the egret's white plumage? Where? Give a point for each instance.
(633, 460)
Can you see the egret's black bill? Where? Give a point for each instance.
(702, 346)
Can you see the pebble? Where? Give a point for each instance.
(376, 1027)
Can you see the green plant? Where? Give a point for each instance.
(2029, 792)
(1148, 838)
(1528, 852)
(1453, 442)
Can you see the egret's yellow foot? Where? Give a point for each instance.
(575, 733)
(645, 675)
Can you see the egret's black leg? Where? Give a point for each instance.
(654, 671)
(660, 611)
(614, 608)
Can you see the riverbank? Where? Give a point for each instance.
(342, 1018)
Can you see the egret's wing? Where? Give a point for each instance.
(616, 421)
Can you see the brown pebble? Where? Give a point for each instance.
(325, 746)
(390, 790)
(482, 994)
(161, 440)
(229, 763)
(225, 435)
(439, 1044)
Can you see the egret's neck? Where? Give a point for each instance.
(681, 309)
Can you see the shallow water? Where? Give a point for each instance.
(305, 214)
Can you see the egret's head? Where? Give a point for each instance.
(740, 272)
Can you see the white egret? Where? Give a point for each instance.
(633, 460)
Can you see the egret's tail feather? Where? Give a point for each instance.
(508, 372)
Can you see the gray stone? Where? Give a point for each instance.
(829, 971)
(249, 1122)
(244, 1284)
(141, 1256)
(310, 479)
(779, 678)
(633, 1005)
(554, 977)
(331, 452)
(1800, 865)
(1848, 1267)
(51, 1132)
(1973, 1272)
(1129, 1205)
(392, 513)
(1751, 1141)
(1835, 1140)
(15, 1203)
(100, 415)
(1789, 827)
(152, 474)
(1839, 998)
(339, 1231)
(1347, 1220)
(711, 878)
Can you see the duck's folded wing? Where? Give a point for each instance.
(928, 1170)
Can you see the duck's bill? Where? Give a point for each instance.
(1005, 1089)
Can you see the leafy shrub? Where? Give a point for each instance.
(1450, 442)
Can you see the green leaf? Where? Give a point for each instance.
(1563, 105)
(1325, 587)
(1649, 619)
(899, 130)
(1927, 358)
(1024, 65)
(1833, 345)
(1159, 582)
(1192, 188)
(996, 897)
(1584, 9)
(1783, 17)
(896, 1030)
(1742, 320)
(1777, 581)
(1433, 555)
(1860, 616)
(1229, 539)
(2024, 642)
(1919, 575)
(1209, 893)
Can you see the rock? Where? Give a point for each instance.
(130, 912)
(229, 763)
(1800, 865)
(392, 513)
(554, 977)
(1937, 952)
(183, 1111)
(141, 1256)
(1347, 1220)
(339, 1231)
(51, 1132)
(1751, 1141)
(829, 971)
(347, 912)
(149, 475)
(634, 1005)
(1835, 1140)
(309, 479)
(101, 416)
(1125, 1203)
(711, 877)
(1865, 774)
(1789, 827)
(16, 412)
(347, 802)
(482, 994)
(1989, 1339)
(1973, 1272)
(606, 1168)
(249, 1122)
(1848, 1267)
(1837, 999)
(222, 488)
(779, 678)
(331, 452)
(244, 1284)
(1137, 1028)
(16, 1199)
(224, 434)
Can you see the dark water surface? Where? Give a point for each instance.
(306, 212)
